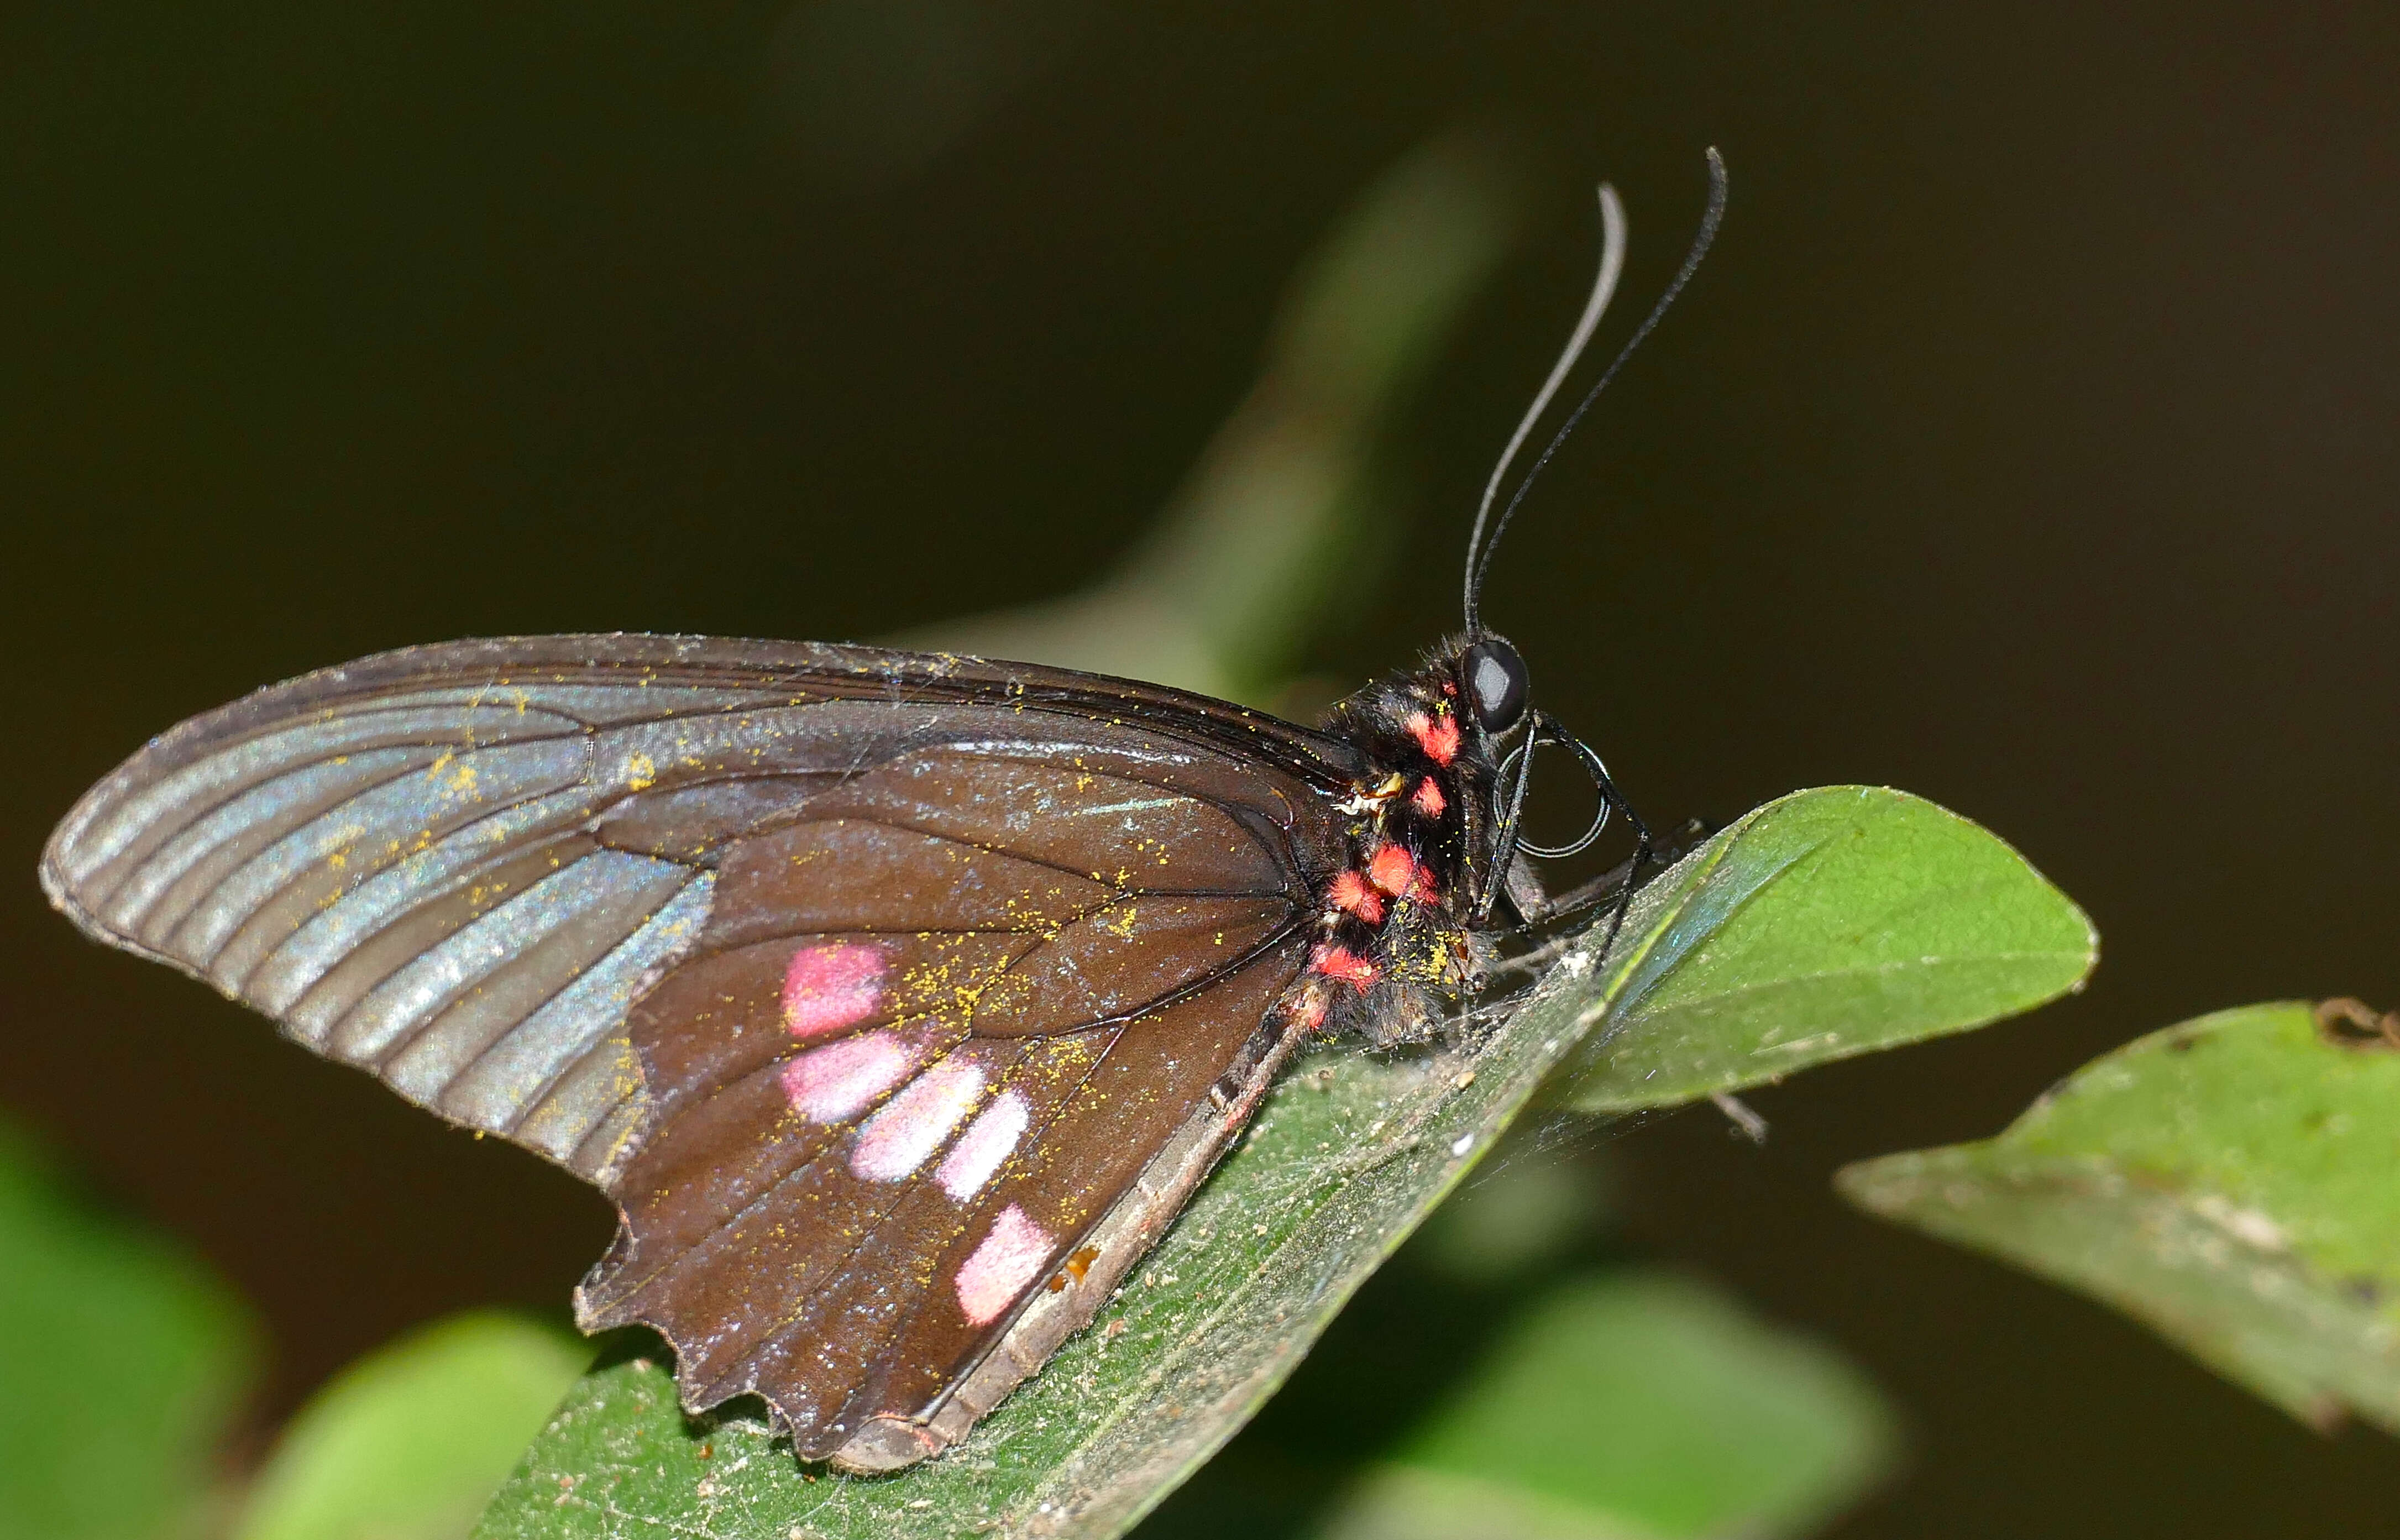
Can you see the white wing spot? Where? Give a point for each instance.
(841, 1079)
(912, 1125)
(988, 1140)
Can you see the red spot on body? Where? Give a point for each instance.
(1351, 893)
(1429, 799)
(1437, 735)
(1310, 1009)
(1346, 965)
(1398, 873)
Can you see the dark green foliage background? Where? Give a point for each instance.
(2026, 445)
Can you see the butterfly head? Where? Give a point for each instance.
(1493, 684)
(1485, 678)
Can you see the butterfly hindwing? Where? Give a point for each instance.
(848, 1225)
(865, 1145)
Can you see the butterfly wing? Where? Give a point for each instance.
(868, 983)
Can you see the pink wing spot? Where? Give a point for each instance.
(1437, 735)
(831, 986)
(912, 1125)
(841, 1080)
(988, 1140)
(1009, 1259)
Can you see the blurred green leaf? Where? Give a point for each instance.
(2231, 1181)
(1519, 1212)
(1841, 922)
(411, 1441)
(124, 1361)
(1267, 534)
(1440, 1351)
(1633, 1404)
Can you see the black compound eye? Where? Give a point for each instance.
(1495, 684)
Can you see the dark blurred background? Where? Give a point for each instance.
(2028, 443)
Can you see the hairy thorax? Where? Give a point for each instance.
(1394, 947)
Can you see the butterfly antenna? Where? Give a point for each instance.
(1612, 262)
(1479, 552)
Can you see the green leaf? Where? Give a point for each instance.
(126, 1358)
(1633, 1404)
(411, 1441)
(2230, 1182)
(1840, 922)
(1349, 1156)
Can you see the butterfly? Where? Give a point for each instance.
(899, 1001)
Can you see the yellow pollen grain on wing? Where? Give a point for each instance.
(641, 771)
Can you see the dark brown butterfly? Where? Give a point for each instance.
(899, 1001)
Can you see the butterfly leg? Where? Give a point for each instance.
(1642, 851)
(1615, 886)
(1618, 880)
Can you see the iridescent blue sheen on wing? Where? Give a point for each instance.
(404, 886)
(457, 867)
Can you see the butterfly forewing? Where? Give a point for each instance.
(866, 982)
